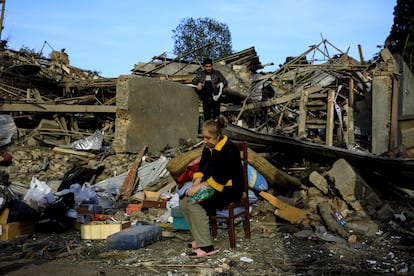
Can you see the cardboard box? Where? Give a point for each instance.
(150, 195)
(98, 230)
(13, 229)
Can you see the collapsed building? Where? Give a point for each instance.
(323, 98)
(322, 105)
(317, 97)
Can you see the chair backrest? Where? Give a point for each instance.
(242, 146)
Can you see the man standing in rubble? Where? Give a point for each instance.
(210, 84)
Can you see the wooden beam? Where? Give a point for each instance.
(40, 107)
(351, 104)
(283, 99)
(288, 212)
(303, 114)
(330, 118)
(131, 179)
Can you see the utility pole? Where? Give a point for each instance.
(3, 4)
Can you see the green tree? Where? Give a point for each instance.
(195, 39)
(401, 37)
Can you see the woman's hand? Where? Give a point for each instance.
(193, 189)
(197, 184)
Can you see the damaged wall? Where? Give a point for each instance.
(155, 113)
(406, 89)
(406, 118)
(392, 107)
(381, 106)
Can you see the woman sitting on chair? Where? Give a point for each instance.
(220, 171)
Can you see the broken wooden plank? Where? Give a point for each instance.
(75, 152)
(130, 180)
(330, 118)
(303, 115)
(288, 212)
(41, 107)
(275, 101)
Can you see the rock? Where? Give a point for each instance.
(353, 189)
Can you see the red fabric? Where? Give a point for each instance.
(187, 175)
(5, 158)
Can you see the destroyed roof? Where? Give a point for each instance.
(161, 65)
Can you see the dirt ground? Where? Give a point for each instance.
(283, 249)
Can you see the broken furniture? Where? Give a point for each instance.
(232, 208)
(100, 230)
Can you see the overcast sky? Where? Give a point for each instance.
(111, 36)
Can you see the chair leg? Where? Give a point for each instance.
(213, 225)
(247, 223)
(232, 234)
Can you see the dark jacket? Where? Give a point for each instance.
(222, 168)
(216, 78)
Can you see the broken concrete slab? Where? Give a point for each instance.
(353, 189)
(319, 181)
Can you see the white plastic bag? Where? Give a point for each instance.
(84, 194)
(92, 142)
(39, 192)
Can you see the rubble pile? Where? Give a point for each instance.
(62, 140)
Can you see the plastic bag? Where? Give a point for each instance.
(257, 182)
(84, 194)
(92, 142)
(39, 192)
(8, 129)
(202, 194)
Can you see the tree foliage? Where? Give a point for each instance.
(195, 39)
(401, 37)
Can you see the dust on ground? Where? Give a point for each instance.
(276, 247)
(277, 251)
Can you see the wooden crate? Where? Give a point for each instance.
(150, 195)
(97, 230)
(13, 229)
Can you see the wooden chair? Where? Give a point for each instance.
(243, 202)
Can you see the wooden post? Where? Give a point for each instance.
(345, 120)
(303, 114)
(350, 113)
(330, 118)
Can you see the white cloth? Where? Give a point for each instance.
(220, 87)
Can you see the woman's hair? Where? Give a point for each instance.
(215, 126)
